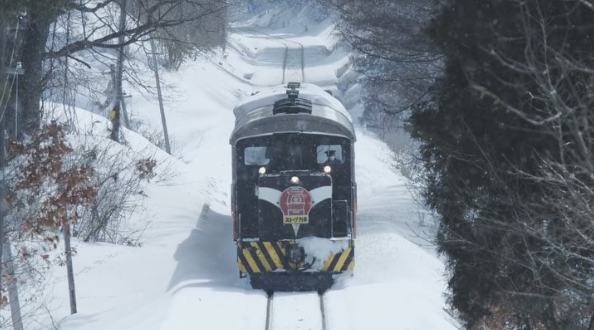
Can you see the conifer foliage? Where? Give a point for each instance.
(507, 141)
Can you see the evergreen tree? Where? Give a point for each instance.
(508, 147)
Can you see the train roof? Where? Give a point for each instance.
(261, 113)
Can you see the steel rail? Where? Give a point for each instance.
(268, 325)
(269, 311)
(323, 311)
(286, 56)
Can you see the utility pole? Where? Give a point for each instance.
(112, 97)
(3, 30)
(69, 267)
(5, 250)
(156, 64)
(13, 292)
(18, 71)
(124, 110)
(115, 131)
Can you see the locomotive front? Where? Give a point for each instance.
(294, 194)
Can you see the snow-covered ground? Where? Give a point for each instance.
(185, 275)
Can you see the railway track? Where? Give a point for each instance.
(294, 58)
(289, 309)
(293, 63)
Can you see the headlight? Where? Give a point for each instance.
(262, 170)
(327, 169)
(294, 180)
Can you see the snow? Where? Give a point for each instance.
(185, 274)
(302, 311)
(265, 97)
(318, 249)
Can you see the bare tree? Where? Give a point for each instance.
(176, 43)
(391, 52)
(119, 178)
(148, 17)
(47, 190)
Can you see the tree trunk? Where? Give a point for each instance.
(31, 86)
(13, 292)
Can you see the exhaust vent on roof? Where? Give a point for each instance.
(293, 103)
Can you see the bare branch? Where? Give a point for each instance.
(85, 9)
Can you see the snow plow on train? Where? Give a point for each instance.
(293, 191)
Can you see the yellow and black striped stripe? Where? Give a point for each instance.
(340, 262)
(260, 257)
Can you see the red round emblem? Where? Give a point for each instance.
(295, 203)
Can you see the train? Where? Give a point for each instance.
(293, 194)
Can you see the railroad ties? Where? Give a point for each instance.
(293, 58)
(294, 62)
(296, 310)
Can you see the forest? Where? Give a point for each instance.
(499, 97)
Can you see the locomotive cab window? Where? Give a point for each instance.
(292, 152)
(256, 155)
(330, 154)
(290, 156)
